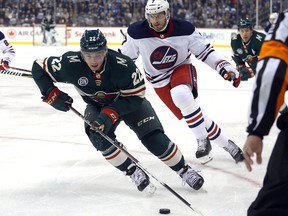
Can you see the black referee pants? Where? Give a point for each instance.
(272, 199)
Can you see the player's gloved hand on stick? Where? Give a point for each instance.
(106, 119)
(228, 72)
(245, 72)
(4, 65)
(58, 99)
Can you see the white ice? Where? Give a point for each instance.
(49, 168)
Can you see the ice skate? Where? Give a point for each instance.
(140, 179)
(203, 151)
(44, 41)
(191, 177)
(234, 151)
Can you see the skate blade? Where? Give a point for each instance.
(206, 159)
(150, 189)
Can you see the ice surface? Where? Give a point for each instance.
(49, 168)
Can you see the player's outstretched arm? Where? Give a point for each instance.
(228, 72)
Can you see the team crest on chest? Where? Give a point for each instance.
(163, 57)
(103, 97)
(251, 58)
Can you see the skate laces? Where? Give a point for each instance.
(138, 176)
(190, 177)
(202, 143)
(232, 148)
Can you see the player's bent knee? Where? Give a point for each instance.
(156, 142)
(182, 97)
(111, 153)
(162, 147)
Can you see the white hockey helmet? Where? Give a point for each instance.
(273, 17)
(157, 6)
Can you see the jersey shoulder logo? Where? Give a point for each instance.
(259, 37)
(121, 61)
(73, 58)
(239, 51)
(82, 81)
(163, 57)
(233, 36)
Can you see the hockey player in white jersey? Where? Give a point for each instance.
(8, 52)
(166, 45)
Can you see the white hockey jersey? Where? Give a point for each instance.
(163, 52)
(6, 48)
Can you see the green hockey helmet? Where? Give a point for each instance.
(244, 23)
(93, 41)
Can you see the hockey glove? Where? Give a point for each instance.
(245, 72)
(4, 65)
(58, 99)
(228, 72)
(106, 119)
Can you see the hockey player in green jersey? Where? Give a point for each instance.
(246, 47)
(113, 88)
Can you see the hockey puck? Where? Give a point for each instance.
(164, 211)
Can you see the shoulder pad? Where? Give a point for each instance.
(139, 30)
(182, 27)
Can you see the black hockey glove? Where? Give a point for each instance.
(58, 99)
(106, 119)
(228, 72)
(245, 72)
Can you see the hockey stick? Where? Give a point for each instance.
(117, 145)
(124, 36)
(15, 73)
(20, 69)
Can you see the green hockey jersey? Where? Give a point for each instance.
(120, 85)
(247, 53)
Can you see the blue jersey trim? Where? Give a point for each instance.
(141, 29)
(2, 36)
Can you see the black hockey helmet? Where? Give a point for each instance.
(93, 41)
(244, 23)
